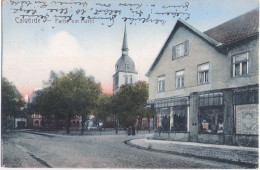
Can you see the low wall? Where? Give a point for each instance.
(237, 140)
(246, 140)
(175, 136)
(210, 138)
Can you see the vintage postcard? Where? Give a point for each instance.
(130, 84)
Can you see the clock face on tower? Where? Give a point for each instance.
(124, 52)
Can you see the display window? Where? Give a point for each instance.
(211, 120)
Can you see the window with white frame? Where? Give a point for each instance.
(161, 84)
(240, 64)
(179, 79)
(203, 73)
(180, 50)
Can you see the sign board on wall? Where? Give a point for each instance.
(247, 119)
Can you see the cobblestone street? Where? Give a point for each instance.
(22, 149)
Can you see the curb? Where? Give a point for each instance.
(149, 148)
(42, 134)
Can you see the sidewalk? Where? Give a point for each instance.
(235, 154)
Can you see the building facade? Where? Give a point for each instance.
(204, 85)
(125, 72)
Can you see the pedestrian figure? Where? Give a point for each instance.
(129, 131)
(133, 131)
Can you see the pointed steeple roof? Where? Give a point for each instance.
(125, 63)
(125, 46)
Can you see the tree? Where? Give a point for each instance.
(69, 95)
(129, 103)
(11, 100)
(103, 109)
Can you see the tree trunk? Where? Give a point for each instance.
(83, 125)
(116, 125)
(68, 125)
(14, 123)
(148, 124)
(153, 123)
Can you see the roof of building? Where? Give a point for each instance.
(125, 45)
(227, 33)
(208, 39)
(125, 63)
(236, 29)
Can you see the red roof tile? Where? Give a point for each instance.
(235, 29)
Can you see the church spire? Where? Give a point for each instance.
(125, 46)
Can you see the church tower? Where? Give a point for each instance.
(124, 68)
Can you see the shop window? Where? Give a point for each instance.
(240, 64)
(180, 50)
(211, 99)
(179, 79)
(211, 120)
(179, 118)
(161, 84)
(203, 73)
(164, 119)
(246, 96)
(37, 123)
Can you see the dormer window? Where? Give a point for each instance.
(127, 66)
(117, 67)
(180, 50)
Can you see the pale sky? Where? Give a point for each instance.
(31, 51)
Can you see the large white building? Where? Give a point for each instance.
(124, 68)
(204, 85)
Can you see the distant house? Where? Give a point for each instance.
(204, 85)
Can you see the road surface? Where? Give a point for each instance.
(27, 150)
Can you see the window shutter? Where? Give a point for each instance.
(186, 47)
(174, 52)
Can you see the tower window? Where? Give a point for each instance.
(116, 82)
(131, 80)
(126, 79)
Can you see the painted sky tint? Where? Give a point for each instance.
(31, 51)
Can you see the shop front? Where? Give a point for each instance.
(246, 116)
(173, 118)
(210, 117)
(225, 116)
